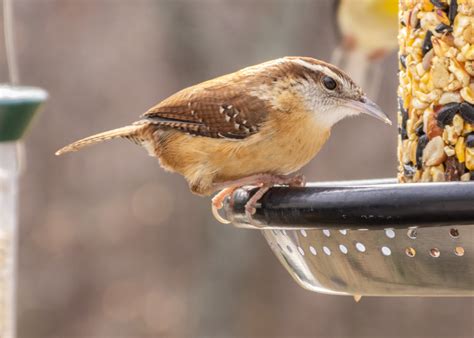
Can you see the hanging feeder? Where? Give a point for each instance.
(18, 105)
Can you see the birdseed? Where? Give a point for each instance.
(436, 91)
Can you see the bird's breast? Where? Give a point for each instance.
(281, 147)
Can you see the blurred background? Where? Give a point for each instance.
(111, 245)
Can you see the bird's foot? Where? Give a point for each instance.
(251, 205)
(263, 181)
(291, 181)
(218, 203)
(294, 181)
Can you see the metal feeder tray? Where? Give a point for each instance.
(370, 238)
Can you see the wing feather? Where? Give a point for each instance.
(213, 109)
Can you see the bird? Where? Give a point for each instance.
(368, 25)
(254, 127)
(367, 30)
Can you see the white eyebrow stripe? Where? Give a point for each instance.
(317, 68)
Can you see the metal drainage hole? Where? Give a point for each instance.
(386, 251)
(360, 247)
(412, 233)
(343, 249)
(410, 252)
(290, 250)
(326, 233)
(312, 250)
(390, 233)
(434, 252)
(301, 251)
(454, 233)
(303, 232)
(326, 250)
(343, 232)
(459, 251)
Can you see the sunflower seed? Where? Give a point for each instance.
(403, 61)
(409, 170)
(427, 44)
(470, 140)
(422, 142)
(441, 28)
(467, 112)
(404, 112)
(453, 10)
(446, 114)
(439, 4)
(419, 130)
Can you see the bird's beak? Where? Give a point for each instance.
(367, 106)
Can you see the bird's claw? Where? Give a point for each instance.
(250, 211)
(215, 212)
(297, 181)
(218, 203)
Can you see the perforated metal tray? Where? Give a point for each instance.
(370, 237)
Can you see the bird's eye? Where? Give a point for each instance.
(329, 83)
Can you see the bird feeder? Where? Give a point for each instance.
(371, 238)
(18, 105)
(380, 237)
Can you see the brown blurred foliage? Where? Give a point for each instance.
(113, 246)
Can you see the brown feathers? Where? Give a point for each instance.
(216, 109)
(130, 132)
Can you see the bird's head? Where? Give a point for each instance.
(329, 93)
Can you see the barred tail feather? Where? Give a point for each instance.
(130, 132)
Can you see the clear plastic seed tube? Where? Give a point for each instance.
(9, 172)
(436, 91)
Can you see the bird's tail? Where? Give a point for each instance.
(131, 132)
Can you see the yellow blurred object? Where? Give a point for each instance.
(389, 7)
(370, 24)
(369, 31)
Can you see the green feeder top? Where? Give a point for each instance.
(18, 105)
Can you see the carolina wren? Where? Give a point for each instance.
(252, 127)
